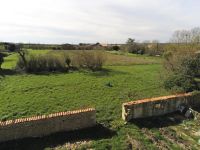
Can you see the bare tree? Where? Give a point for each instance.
(186, 36)
(23, 53)
(195, 35)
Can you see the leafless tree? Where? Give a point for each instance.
(186, 36)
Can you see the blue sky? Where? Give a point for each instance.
(105, 21)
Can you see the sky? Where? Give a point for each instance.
(90, 21)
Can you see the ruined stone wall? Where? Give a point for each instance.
(47, 124)
(158, 106)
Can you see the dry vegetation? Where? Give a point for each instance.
(120, 58)
(129, 59)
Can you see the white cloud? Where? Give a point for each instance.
(112, 21)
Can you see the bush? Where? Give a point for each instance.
(180, 82)
(67, 59)
(54, 62)
(170, 61)
(43, 63)
(183, 69)
(116, 48)
(91, 60)
(190, 65)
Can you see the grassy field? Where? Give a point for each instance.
(137, 77)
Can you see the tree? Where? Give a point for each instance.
(131, 46)
(22, 53)
(195, 35)
(130, 41)
(156, 47)
(116, 48)
(186, 40)
(186, 36)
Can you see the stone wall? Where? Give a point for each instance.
(158, 106)
(47, 124)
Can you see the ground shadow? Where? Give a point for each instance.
(106, 72)
(46, 73)
(159, 121)
(94, 133)
(4, 72)
(100, 73)
(196, 109)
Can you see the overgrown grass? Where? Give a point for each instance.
(123, 58)
(115, 58)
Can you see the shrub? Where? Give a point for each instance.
(67, 59)
(170, 61)
(183, 69)
(190, 65)
(180, 82)
(32, 64)
(116, 48)
(43, 63)
(51, 62)
(92, 60)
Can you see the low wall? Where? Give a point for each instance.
(158, 106)
(47, 124)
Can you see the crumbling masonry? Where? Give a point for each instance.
(47, 124)
(158, 106)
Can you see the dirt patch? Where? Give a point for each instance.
(134, 144)
(173, 138)
(160, 144)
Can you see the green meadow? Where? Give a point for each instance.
(124, 78)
